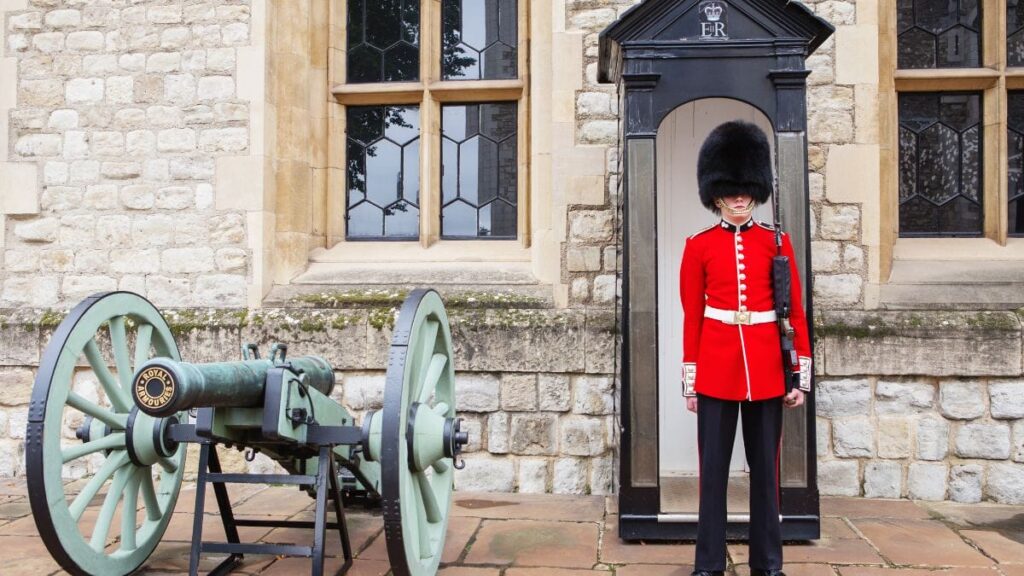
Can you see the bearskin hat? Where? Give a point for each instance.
(734, 159)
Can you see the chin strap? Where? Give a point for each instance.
(744, 212)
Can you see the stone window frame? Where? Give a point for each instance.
(430, 93)
(993, 79)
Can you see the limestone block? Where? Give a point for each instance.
(484, 473)
(581, 436)
(11, 458)
(605, 289)
(519, 340)
(1005, 483)
(18, 188)
(115, 230)
(570, 476)
(823, 436)
(837, 289)
(533, 475)
(932, 438)
(848, 397)
(592, 395)
(533, 434)
(77, 288)
(838, 478)
(600, 347)
(903, 397)
(176, 140)
(990, 441)
(965, 483)
(38, 230)
(186, 260)
(1018, 441)
(826, 256)
(822, 71)
(579, 290)
(883, 479)
(933, 343)
(235, 175)
(961, 399)
(231, 260)
(48, 42)
(163, 62)
(856, 54)
(128, 261)
(224, 140)
(553, 392)
(590, 225)
(17, 388)
(849, 172)
(19, 329)
(473, 425)
(927, 481)
(175, 198)
(78, 231)
(42, 93)
(497, 433)
(853, 437)
(216, 88)
(32, 145)
(1006, 398)
(830, 118)
(583, 258)
(220, 290)
(519, 392)
(894, 437)
(602, 475)
(600, 132)
(476, 392)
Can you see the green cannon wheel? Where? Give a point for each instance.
(103, 477)
(419, 436)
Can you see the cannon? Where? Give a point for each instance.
(105, 464)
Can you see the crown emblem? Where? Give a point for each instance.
(713, 11)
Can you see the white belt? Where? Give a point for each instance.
(739, 317)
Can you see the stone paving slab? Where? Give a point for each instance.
(558, 535)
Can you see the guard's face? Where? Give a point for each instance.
(738, 202)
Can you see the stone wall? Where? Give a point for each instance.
(119, 113)
(927, 406)
(534, 385)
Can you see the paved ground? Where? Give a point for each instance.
(551, 535)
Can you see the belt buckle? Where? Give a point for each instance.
(741, 317)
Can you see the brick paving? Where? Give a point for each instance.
(558, 535)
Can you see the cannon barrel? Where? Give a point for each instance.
(162, 386)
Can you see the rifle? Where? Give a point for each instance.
(781, 286)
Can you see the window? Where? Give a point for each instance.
(959, 105)
(434, 109)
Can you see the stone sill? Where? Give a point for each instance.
(919, 343)
(485, 339)
(989, 280)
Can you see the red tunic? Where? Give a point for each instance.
(729, 267)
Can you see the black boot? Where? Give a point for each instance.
(707, 573)
(768, 572)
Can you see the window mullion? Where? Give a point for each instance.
(996, 163)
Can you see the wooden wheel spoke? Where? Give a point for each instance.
(168, 464)
(424, 353)
(434, 371)
(143, 341)
(433, 512)
(113, 464)
(153, 511)
(422, 527)
(117, 395)
(129, 510)
(441, 408)
(440, 466)
(115, 421)
(106, 516)
(119, 341)
(112, 442)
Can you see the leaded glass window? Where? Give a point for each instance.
(479, 170)
(480, 39)
(383, 172)
(1015, 157)
(1014, 33)
(940, 186)
(938, 33)
(383, 40)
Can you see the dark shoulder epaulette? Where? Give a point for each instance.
(699, 232)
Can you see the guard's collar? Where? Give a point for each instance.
(732, 227)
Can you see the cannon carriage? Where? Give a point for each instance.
(129, 438)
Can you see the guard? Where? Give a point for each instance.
(732, 360)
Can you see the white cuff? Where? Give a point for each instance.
(689, 378)
(805, 373)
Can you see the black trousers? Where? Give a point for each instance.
(762, 433)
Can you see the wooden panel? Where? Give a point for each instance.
(945, 79)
